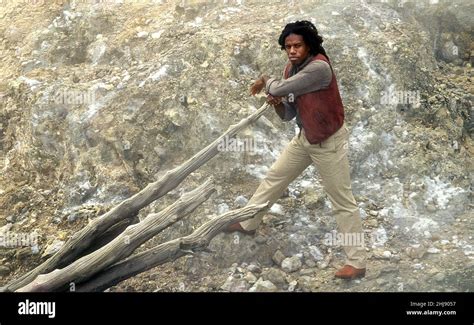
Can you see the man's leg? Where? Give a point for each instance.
(333, 165)
(292, 162)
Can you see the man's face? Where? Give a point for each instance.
(296, 48)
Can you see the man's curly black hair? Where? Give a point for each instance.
(310, 36)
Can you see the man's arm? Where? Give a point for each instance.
(286, 110)
(315, 76)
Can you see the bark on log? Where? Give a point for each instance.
(167, 252)
(129, 207)
(123, 245)
(108, 236)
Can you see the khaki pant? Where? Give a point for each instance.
(330, 158)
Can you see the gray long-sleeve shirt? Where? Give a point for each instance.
(304, 78)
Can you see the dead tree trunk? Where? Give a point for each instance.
(76, 245)
(108, 236)
(167, 252)
(123, 245)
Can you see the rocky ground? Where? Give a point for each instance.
(100, 99)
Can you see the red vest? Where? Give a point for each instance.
(321, 112)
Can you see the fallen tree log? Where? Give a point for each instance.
(123, 245)
(128, 208)
(167, 252)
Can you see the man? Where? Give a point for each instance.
(309, 92)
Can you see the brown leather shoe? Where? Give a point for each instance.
(237, 227)
(350, 272)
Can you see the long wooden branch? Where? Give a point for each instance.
(108, 236)
(81, 240)
(123, 245)
(168, 251)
